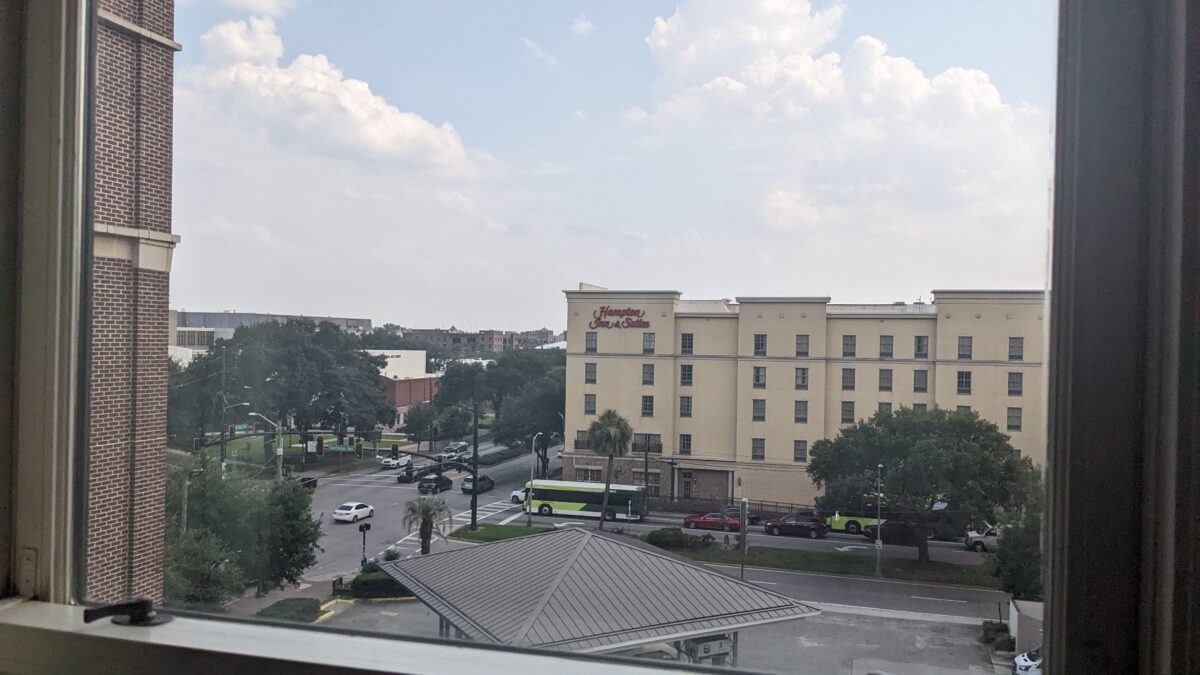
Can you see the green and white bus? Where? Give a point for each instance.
(573, 498)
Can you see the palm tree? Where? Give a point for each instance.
(610, 434)
(425, 513)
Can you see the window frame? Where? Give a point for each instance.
(647, 411)
(801, 374)
(1019, 342)
(849, 379)
(758, 449)
(891, 379)
(969, 353)
(647, 374)
(1020, 382)
(754, 381)
(803, 338)
(800, 406)
(690, 370)
(687, 343)
(589, 398)
(800, 447)
(891, 346)
(648, 343)
(685, 411)
(758, 410)
(960, 377)
(591, 342)
(849, 346)
(844, 419)
(590, 372)
(924, 389)
(760, 350)
(685, 448)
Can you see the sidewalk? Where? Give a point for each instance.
(248, 605)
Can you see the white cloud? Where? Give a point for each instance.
(579, 114)
(539, 53)
(312, 102)
(267, 7)
(581, 25)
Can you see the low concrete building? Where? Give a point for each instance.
(405, 380)
(1025, 624)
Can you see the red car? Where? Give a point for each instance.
(712, 521)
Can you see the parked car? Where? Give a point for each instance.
(350, 512)
(485, 483)
(712, 521)
(894, 532)
(796, 525)
(389, 463)
(1029, 663)
(446, 456)
(518, 495)
(434, 483)
(753, 515)
(466, 454)
(982, 541)
(309, 482)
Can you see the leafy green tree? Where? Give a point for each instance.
(537, 406)
(927, 457)
(426, 514)
(610, 434)
(201, 570)
(1017, 560)
(289, 536)
(418, 419)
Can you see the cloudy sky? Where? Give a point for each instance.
(462, 163)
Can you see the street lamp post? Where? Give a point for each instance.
(529, 490)
(878, 516)
(278, 450)
(364, 528)
(475, 464)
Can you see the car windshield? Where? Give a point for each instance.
(346, 507)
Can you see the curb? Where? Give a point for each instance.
(850, 576)
(335, 601)
(324, 617)
(405, 598)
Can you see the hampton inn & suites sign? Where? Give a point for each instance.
(618, 317)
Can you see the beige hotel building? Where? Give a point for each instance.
(726, 397)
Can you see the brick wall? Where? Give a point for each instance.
(129, 315)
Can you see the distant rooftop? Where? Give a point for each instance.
(895, 308)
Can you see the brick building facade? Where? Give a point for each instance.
(130, 284)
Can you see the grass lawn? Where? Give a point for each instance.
(305, 610)
(487, 532)
(838, 563)
(494, 458)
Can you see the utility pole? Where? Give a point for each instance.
(878, 515)
(529, 490)
(279, 451)
(475, 465)
(224, 404)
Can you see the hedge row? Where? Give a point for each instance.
(377, 585)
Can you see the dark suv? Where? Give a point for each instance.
(434, 483)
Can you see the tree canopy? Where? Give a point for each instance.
(927, 457)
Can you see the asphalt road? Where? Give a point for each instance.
(848, 544)
(343, 543)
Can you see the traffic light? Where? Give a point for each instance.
(341, 438)
(395, 451)
(320, 446)
(358, 449)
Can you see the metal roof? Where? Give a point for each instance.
(577, 590)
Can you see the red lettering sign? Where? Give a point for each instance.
(618, 317)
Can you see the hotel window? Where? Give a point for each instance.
(885, 379)
(1014, 419)
(647, 406)
(801, 345)
(921, 347)
(802, 378)
(589, 373)
(589, 475)
(589, 404)
(685, 406)
(685, 444)
(685, 375)
(760, 344)
(885, 407)
(686, 480)
(647, 443)
(758, 448)
(589, 342)
(759, 410)
(1016, 384)
(801, 412)
(582, 442)
(647, 373)
(885, 346)
(1016, 349)
(920, 381)
(964, 381)
(847, 412)
(963, 408)
(652, 487)
(920, 407)
(760, 377)
(849, 345)
(799, 451)
(965, 347)
(847, 379)
(686, 342)
(647, 343)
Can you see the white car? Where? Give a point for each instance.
(389, 463)
(982, 541)
(518, 495)
(446, 456)
(1029, 663)
(350, 512)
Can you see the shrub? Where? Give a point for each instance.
(991, 630)
(708, 539)
(1004, 643)
(669, 537)
(370, 566)
(377, 585)
(391, 554)
(305, 610)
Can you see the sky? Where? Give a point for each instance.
(462, 163)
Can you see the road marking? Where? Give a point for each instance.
(569, 523)
(511, 518)
(924, 597)
(847, 548)
(766, 583)
(893, 613)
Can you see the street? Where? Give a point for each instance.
(342, 542)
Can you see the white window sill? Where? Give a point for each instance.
(44, 637)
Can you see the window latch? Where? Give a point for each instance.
(135, 613)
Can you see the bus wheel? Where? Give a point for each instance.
(610, 515)
(545, 510)
(853, 527)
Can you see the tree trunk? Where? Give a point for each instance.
(426, 536)
(921, 532)
(607, 485)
